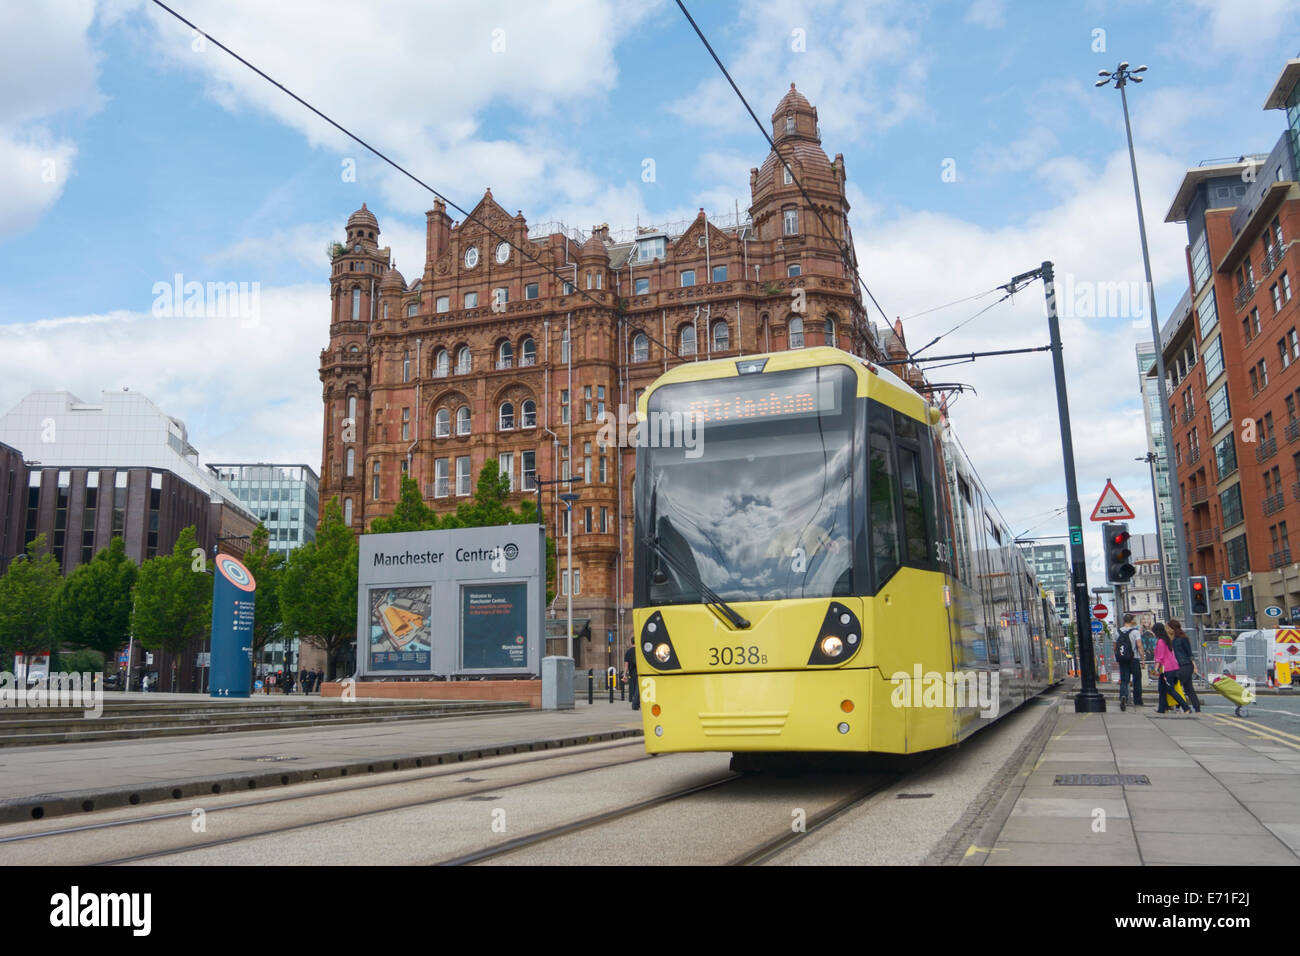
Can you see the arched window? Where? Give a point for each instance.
(527, 352)
(350, 467)
(796, 332)
(385, 310)
(686, 340)
(789, 176)
(505, 355)
(406, 366)
(462, 361)
(830, 331)
(352, 408)
(462, 420)
(506, 417)
(721, 337)
(442, 423)
(790, 221)
(356, 303)
(353, 349)
(347, 511)
(640, 348)
(789, 122)
(375, 483)
(441, 364)
(564, 347)
(529, 414)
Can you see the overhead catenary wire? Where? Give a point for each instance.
(468, 217)
(845, 253)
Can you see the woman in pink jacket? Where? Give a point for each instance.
(1167, 666)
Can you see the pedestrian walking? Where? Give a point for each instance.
(1186, 663)
(1167, 668)
(320, 680)
(629, 659)
(1128, 655)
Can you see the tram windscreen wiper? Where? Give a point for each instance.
(710, 596)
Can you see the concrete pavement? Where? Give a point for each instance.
(1195, 790)
(42, 781)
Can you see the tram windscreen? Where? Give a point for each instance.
(754, 500)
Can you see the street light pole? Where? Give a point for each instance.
(1121, 78)
(569, 498)
(1151, 459)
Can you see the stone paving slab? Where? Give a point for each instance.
(1219, 793)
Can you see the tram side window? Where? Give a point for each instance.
(886, 555)
(909, 473)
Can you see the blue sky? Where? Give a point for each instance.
(171, 160)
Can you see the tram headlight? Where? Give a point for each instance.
(657, 646)
(839, 637)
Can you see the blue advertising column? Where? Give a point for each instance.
(233, 596)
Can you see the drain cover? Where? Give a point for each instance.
(267, 758)
(1101, 780)
(913, 796)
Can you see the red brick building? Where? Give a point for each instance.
(487, 356)
(1232, 353)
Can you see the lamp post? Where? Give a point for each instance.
(1151, 458)
(569, 497)
(1121, 78)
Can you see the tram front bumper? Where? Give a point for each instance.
(826, 710)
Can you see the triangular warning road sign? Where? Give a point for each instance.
(1111, 506)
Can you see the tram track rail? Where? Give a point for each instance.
(369, 785)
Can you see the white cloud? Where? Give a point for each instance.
(990, 14)
(1230, 27)
(244, 394)
(49, 67)
(862, 65)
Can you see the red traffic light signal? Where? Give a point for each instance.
(1118, 568)
(1200, 595)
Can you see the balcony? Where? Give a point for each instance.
(1193, 455)
(1279, 558)
(1295, 491)
(1243, 294)
(1198, 495)
(1206, 538)
(1271, 260)
(1293, 431)
(1266, 450)
(1188, 415)
(527, 361)
(1214, 580)
(1274, 503)
(505, 363)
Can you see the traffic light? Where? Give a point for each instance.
(1118, 568)
(1200, 595)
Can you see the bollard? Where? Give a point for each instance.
(611, 690)
(591, 685)
(622, 690)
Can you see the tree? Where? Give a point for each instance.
(267, 568)
(94, 607)
(28, 592)
(318, 590)
(173, 600)
(411, 513)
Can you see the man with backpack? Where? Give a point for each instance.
(1129, 657)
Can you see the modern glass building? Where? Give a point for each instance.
(1146, 358)
(285, 498)
(1052, 570)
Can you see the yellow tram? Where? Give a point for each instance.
(818, 568)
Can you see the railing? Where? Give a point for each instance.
(504, 363)
(1198, 495)
(1214, 579)
(440, 487)
(1293, 430)
(1266, 450)
(1271, 260)
(441, 372)
(1274, 503)
(1188, 415)
(528, 481)
(1193, 455)
(1295, 491)
(1279, 558)
(1243, 294)
(462, 369)
(527, 361)
(1206, 538)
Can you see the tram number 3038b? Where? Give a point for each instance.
(736, 655)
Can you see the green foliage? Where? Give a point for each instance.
(318, 589)
(173, 600)
(28, 592)
(79, 662)
(94, 607)
(411, 513)
(267, 568)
